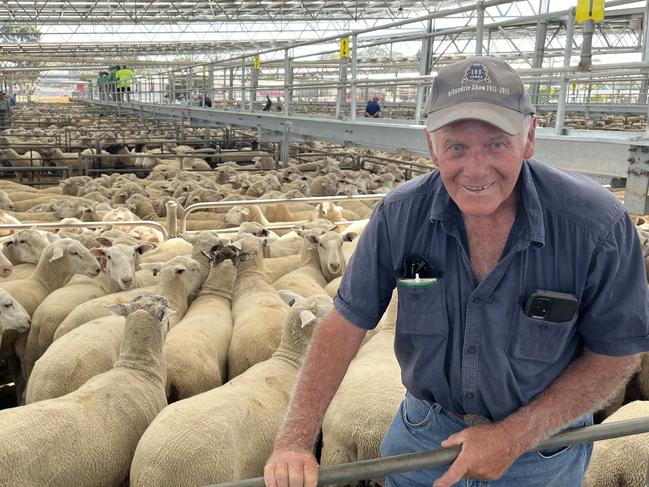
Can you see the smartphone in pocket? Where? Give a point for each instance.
(551, 306)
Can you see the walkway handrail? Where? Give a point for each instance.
(229, 204)
(146, 223)
(369, 469)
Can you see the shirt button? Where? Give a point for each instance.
(469, 395)
(471, 349)
(476, 300)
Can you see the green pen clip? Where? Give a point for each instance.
(419, 281)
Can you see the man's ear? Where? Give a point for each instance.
(429, 142)
(530, 141)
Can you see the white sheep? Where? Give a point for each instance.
(621, 461)
(367, 399)
(87, 438)
(233, 425)
(26, 246)
(196, 348)
(91, 348)
(6, 267)
(257, 310)
(120, 262)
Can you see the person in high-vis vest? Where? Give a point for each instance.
(124, 83)
(112, 83)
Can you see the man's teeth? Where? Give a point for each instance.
(477, 188)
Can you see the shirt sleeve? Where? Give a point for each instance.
(615, 303)
(366, 288)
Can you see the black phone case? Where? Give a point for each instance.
(560, 306)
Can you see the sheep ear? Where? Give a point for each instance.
(312, 239)
(145, 247)
(179, 269)
(264, 232)
(289, 297)
(235, 245)
(51, 237)
(245, 210)
(98, 252)
(350, 236)
(105, 241)
(117, 309)
(209, 255)
(57, 253)
(306, 318)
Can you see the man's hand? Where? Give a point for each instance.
(487, 452)
(289, 468)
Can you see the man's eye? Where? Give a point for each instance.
(496, 145)
(455, 148)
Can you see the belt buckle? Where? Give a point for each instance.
(475, 420)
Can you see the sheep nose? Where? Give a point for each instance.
(7, 270)
(97, 270)
(335, 266)
(128, 282)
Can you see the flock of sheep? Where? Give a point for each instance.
(151, 361)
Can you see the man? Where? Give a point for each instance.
(268, 104)
(124, 83)
(373, 109)
(102, 82)
(487, 364)
(112, 84)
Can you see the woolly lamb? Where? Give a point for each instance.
(90, 349)
(247, 411)
(6, 267)
(368, 397)
(88, 437)
(621, 461)
(205, 330)
(257, 310)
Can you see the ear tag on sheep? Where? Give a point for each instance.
(289, 297)
(306, 317)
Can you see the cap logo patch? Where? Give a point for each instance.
(476, 72)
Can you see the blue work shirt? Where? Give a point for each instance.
(469, 346)
(372, 107)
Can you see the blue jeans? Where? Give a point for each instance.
(423, 425)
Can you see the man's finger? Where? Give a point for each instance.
(454, 474)
(269, 475)
(453, 440)
(310, 475)
(295, 475)
(281, 474)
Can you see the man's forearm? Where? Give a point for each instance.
(582, 388)
(334, 345)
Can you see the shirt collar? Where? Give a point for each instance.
(444, 208)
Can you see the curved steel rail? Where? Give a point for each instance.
(146, 223)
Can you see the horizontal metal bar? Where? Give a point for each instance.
(230, 204)
(368, 469)
(146, 223)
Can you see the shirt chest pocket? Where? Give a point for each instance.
(422, 310)
(541, 340)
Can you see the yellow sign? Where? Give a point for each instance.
(589, 9)
(256, 63)
(344, 47)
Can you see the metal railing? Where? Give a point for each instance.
(55, 225)
(230, 204)
(369, 469)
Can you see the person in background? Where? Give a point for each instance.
(125, 82)
(268, 104)
(112, 84)
(373, 109)
(102, 83)
(12, 100)
(208, 101)
(278, 105)
(5, 111)
(523, 301)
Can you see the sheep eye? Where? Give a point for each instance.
(8, 305)
(109, 257)
(74, 252)
(21, 241)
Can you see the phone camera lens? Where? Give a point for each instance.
(541, 308)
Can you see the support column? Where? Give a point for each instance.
(567, 54)
(231, 90)
(172, 87)
(190, 86)
(210, 84)
(479, 30)
(243, 84)
(342, 87)
(424, 69)
(645, 57)
(283, 151)
(637, 182)
(254, 83)
(288, 81)
(539, 48)
(354, 74)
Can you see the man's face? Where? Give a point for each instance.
(479, 164)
